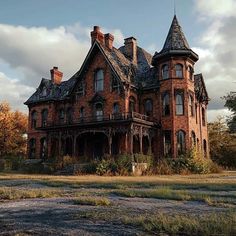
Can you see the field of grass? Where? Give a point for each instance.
(176, 205)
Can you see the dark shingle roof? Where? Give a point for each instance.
(175, 39)
(200, 88)
(53, 91)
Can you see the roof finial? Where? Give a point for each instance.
(174, 7)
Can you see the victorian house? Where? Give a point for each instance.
(122, 100)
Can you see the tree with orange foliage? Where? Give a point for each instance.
(13, 126)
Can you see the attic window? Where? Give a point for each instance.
(99, 80)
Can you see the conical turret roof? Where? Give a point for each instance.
(175, 39)
(175, 43)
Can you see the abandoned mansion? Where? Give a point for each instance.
(122, 101)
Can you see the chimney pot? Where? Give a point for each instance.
(131, 49)
(96, 34)
(109, 38)
(56, 75)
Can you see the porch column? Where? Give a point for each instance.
(141, 140)
(109, 143)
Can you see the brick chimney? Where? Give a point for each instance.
(131, 49)
(96, 34)
(109, 38)
(56, 75)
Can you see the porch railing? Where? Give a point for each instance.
(102, 118)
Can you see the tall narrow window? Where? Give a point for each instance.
(167, 143)
(33, 119)
(116, 108)
(80, 90)
(44, 117)
(205, 147)
(99, 111)
(179, 71)
(196, 113)
(166, 105)
(203, 117)
(81, 113)
(43, 148)
(180, 142)
(148, 107)
(32, 148)
(131, 104)
(179, 102)
(190, 72)
(69, 115)
(165, 72)
(99, 80)
(193, 139)
(191, 105)
(61, 116)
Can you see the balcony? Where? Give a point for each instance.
(112, 118)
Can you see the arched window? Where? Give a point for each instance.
(203, 117)
(179, 102)
(191, 105)
(99, 80)
(43, 148)
(69, 115)
(116, 108)
(179, 71)
(32, 148)
(205, 147)
(44, 117)
(61, 116)
(131, 104)
(166, 105)
(33, 119)
(165, 72)
(193, 138)
(190, 72)
(148, 107)
(81, 113)
(99, 111)
(180, 142)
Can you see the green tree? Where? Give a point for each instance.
(222, 143)
(230, 103)
(13, 126)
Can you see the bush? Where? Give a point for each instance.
(11, 163)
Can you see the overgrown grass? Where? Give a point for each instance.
(7, 193)
(93, 201)
(211, 224)
(169, 224)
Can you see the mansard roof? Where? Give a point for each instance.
(175, 43)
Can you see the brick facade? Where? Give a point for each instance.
(116, 102)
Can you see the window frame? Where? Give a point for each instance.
(165, 72)
(177, 105)
(181, 146)
(44, 117)
(149, 111)
(98, 80)
(179, 71)
(34, 115)
(166, 104)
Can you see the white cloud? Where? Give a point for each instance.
(14, 92)
(217, 50)
(32, 52)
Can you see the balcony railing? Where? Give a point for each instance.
(129, 116)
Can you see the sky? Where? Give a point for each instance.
(37, 35)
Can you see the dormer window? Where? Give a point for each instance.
(165, 72)
(179, 71)
(99, 80)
